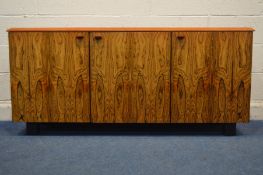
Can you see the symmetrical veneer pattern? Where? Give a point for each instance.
(131, 76)
(29, 76)
(211, 77)
(231, 81)
(191, 76)
(69, 77)
(50, 76)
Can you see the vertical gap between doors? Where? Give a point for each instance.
(89, 67)
(171, 73)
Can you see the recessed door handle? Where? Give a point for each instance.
(79, 37)
(180, 37)
(98, 37)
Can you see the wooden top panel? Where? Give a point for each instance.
(139, 29)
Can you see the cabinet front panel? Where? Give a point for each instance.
(222, 89)
(191, 77)
(232, 76)
(242, 57)
(150, 76)
(109, 53)
(69, 77)
(130, 77)
(29, 78)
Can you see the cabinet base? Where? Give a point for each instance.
(33, 128)
(227, 129)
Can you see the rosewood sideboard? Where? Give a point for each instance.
(131, 75)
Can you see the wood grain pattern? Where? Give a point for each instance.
(109, 74)
(222, 82)
(20, 103)
(130, 75)
(232, 76)
(191, 77)
(38, 76)
(50, 76)
(19, 75)
(127, 68)
(211, 76)
(150, 66)
(69, 77)
(242, 65)
(28, 60)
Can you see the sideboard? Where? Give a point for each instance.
(131, 75)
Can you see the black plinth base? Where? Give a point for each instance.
(33, 128)
(228, 129)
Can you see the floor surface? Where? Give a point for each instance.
(120, 154)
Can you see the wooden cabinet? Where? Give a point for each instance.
(131, 75)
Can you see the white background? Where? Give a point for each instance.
(132, 13)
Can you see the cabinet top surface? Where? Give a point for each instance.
(119, 29)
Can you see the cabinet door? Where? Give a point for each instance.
(130, 77)
(69, 77)
(242, 55)
(191, 77)
(150, 76)
(29, 80)
(222, 77)
(232, 76)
